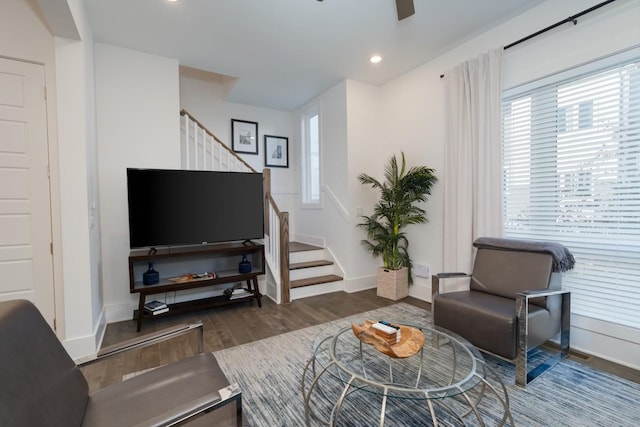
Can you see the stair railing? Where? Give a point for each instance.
(277, 244)
(202, 150)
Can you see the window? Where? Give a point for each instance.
(571, 155)
(311, 157)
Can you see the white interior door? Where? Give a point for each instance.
(26, 263)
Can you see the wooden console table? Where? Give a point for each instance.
(221, 259)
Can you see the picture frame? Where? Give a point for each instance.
(276, 151)
(244, 136)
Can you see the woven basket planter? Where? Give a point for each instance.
(393, 284)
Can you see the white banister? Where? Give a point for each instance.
(273, 245)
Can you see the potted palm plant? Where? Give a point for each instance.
(400, 194)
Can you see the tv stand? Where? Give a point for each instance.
(175, 264)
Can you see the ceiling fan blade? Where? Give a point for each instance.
(404, 8)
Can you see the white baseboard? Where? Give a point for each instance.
(87, 345)
(418, 290)
(616, 343)
(360, 283)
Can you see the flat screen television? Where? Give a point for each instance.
(184, 207)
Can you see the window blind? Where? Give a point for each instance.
(571, 156)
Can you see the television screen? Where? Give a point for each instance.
(180, 207)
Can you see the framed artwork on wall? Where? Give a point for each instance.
(244, 136)
(276, 151)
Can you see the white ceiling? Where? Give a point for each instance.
(282, 53)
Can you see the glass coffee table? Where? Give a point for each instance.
(446, 382)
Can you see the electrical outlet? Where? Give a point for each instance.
(421, 270)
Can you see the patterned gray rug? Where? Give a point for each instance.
(269, 373)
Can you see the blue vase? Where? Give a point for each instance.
(244, 266)
(150, 277)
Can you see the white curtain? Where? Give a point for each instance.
(473, 158)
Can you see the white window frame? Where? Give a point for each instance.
(311, 197)
(592, 298)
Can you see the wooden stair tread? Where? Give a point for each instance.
(301, 247)
(309, 264)
(314, 281)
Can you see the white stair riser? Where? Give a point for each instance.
(322, 288)
(306, 256)
(304, 273)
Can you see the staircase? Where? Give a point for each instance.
(312, 272)
(298, 270)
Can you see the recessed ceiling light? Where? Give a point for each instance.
(375, 59)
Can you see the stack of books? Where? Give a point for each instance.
(156, 307)
(235, 293)
(387, 332)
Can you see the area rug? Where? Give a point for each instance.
(269, 373)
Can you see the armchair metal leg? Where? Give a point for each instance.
(524, 377)
(522, 308)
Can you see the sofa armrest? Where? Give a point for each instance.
(435, 281)
(145, 341)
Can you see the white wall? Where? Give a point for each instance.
(360, 131)
(413, 111)
(137, 105)
(23, 36)
(71, 132)
(83, 302)
(366, 138)
(328, 224)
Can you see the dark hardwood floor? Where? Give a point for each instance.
(236, 324)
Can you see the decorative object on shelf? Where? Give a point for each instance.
(400, 193)
(411, 339)
(150, 277)
(244, 266)
(276, 151)
(244, 136)
(194, 277)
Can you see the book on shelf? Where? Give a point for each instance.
(236, 293)
(155, 305)
(158, 311)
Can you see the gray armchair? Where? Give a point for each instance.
(42, 386)
(514, 302)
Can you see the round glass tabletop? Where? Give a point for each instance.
(444, 366)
